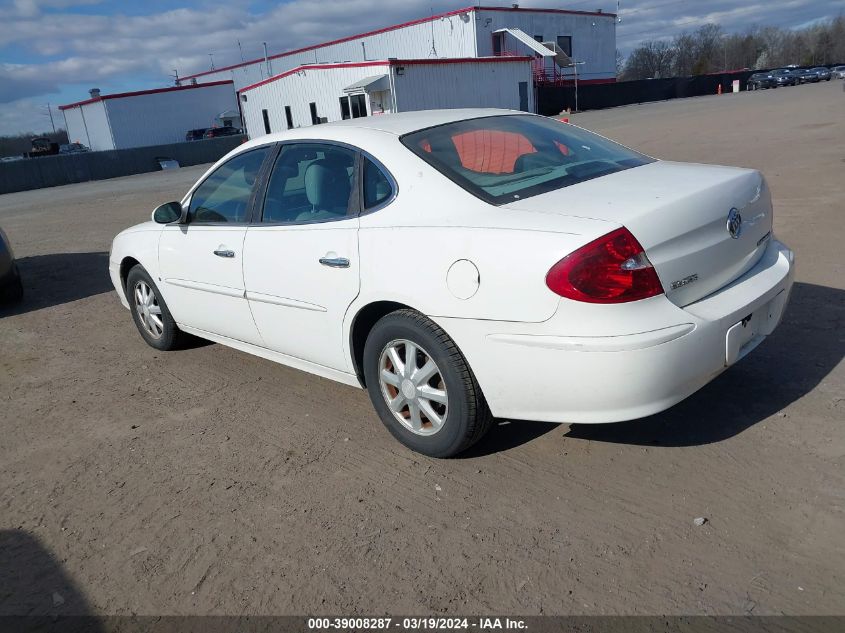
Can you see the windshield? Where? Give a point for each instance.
(512, 157)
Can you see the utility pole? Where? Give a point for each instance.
(50, 114)
(575, 65)
(267, 61)
(175, 76)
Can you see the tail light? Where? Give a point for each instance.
(611, 269)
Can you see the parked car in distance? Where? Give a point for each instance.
(11, 287)
(196, 135)
(806, 76)
(822, 71)
(838, 72)
(761, 81)
(225, 130)
(466, 264)
(784, 77)
(73, 148)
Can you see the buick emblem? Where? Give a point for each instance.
(734, 225)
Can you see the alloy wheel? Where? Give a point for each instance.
(413, 387)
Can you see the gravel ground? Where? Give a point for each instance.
(208, 481)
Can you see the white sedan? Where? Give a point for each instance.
(466, 264)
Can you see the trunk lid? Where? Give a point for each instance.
(679, 214)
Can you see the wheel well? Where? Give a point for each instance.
(364, 321)
(125, 266)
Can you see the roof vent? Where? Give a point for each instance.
(95, 93)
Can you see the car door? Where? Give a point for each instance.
(201, 260)
(301, 267)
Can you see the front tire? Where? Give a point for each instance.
(422, 387)
(150, 312)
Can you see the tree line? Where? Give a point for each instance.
(709, 49)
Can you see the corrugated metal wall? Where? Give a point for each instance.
(492, 84)
(593, 36)
(88, 124)
(465, 85)
(165, 117)
(453, 36)
(324, 87)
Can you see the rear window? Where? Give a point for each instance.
(512, 157)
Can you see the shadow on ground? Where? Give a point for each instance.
(806, 347)
(36, 590)
(51, 280)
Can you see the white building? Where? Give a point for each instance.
(149, 117)
(588, 37)
(331, 92)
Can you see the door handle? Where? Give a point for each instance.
(222, 253)
(335, 262)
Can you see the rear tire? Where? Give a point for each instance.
(150, 312)
(454, 417)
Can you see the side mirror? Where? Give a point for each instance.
(167, 213)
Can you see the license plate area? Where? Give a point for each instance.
(744, 336)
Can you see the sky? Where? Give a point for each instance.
(53, 51)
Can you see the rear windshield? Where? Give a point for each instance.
(512, 157)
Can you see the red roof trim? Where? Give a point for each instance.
(120, 95)
(537, 10)
(461, 60)
(292, 71)
(388, 62)
(393, 28)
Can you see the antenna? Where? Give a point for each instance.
(241, 50)
(211, 57)
(175, 76)
(618, 11)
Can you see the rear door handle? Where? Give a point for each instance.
(223, 253)
(335, 262)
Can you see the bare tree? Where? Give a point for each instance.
(708, 50)
(652, 59)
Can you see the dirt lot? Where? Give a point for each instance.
(209, 481)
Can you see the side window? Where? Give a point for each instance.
(377, 187)
(224, 195)
(311, 182)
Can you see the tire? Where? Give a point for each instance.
(464, 416)
(13, 291)
(165, 335)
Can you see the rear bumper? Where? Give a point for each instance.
(594, 364)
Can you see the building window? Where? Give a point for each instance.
(538, 38)
(289, 117)
(314, 118)
(497, 44)
(344, 108)
(358, 105)
(266, 121)
(565, 44)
